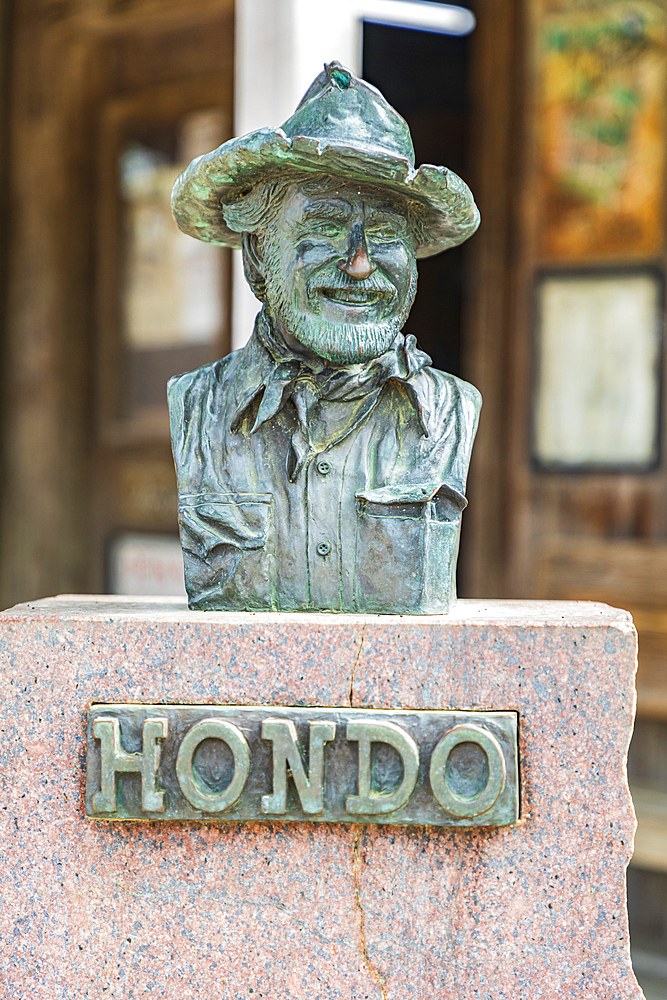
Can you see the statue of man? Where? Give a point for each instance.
(322, 467)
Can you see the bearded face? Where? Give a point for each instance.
(340, 272)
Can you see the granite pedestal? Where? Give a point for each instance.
(311, 911)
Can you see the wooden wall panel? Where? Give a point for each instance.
(488, 336)
(572, 534)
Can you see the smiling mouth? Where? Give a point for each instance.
(354, 296)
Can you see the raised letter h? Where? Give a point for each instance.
(115, 761)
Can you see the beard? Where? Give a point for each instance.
(340, 343)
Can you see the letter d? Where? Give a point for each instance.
(368, 802)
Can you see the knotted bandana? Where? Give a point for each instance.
(313, 384)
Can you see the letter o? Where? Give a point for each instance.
(213, 729)
(455, 804)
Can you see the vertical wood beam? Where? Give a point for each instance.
(488, 342)
(48, 329)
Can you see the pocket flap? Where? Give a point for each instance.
(195, 499)
(408, 499)
(211, 520)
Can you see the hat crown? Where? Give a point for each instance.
(344, 128)
(339, 108)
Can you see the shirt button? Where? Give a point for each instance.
(323, 549)
(324, 467)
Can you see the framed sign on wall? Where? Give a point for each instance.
(598, 360)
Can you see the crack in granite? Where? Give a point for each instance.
(453, 908)
(354, 666)
(373, 972)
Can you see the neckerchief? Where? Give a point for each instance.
(310, 383)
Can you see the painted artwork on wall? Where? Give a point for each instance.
(602, 91)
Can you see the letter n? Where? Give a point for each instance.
(286, 753)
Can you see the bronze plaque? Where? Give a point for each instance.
(220, 763)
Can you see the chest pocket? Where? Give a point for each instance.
(225, 539)
(407, 544)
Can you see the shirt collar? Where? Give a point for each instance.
(271, 367)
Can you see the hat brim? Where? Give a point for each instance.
(449, 212)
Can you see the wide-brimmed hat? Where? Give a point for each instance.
(343, 127)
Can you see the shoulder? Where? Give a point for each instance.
(468, 392)
(454, 407)
(186, 391)
(453, 391)
(196, 399)
(446, 399)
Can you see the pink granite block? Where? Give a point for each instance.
(310, 911)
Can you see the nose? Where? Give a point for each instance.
(358, 264)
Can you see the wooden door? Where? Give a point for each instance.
(92, 84)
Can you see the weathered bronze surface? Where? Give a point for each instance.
(323, 466)
(223, 763)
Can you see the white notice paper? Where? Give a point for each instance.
(598, 379)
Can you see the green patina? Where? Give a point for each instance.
(323, 466)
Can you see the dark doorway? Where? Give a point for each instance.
(425, 76)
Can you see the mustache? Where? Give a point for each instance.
(331, 277)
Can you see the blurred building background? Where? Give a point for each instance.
(554, 111)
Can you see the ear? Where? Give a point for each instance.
(253, 264)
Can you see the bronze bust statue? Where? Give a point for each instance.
(322, 467)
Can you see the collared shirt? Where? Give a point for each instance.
(306, 486)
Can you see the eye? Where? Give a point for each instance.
(329, 229)
(385, 232)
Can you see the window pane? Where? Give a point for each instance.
(172, 309)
